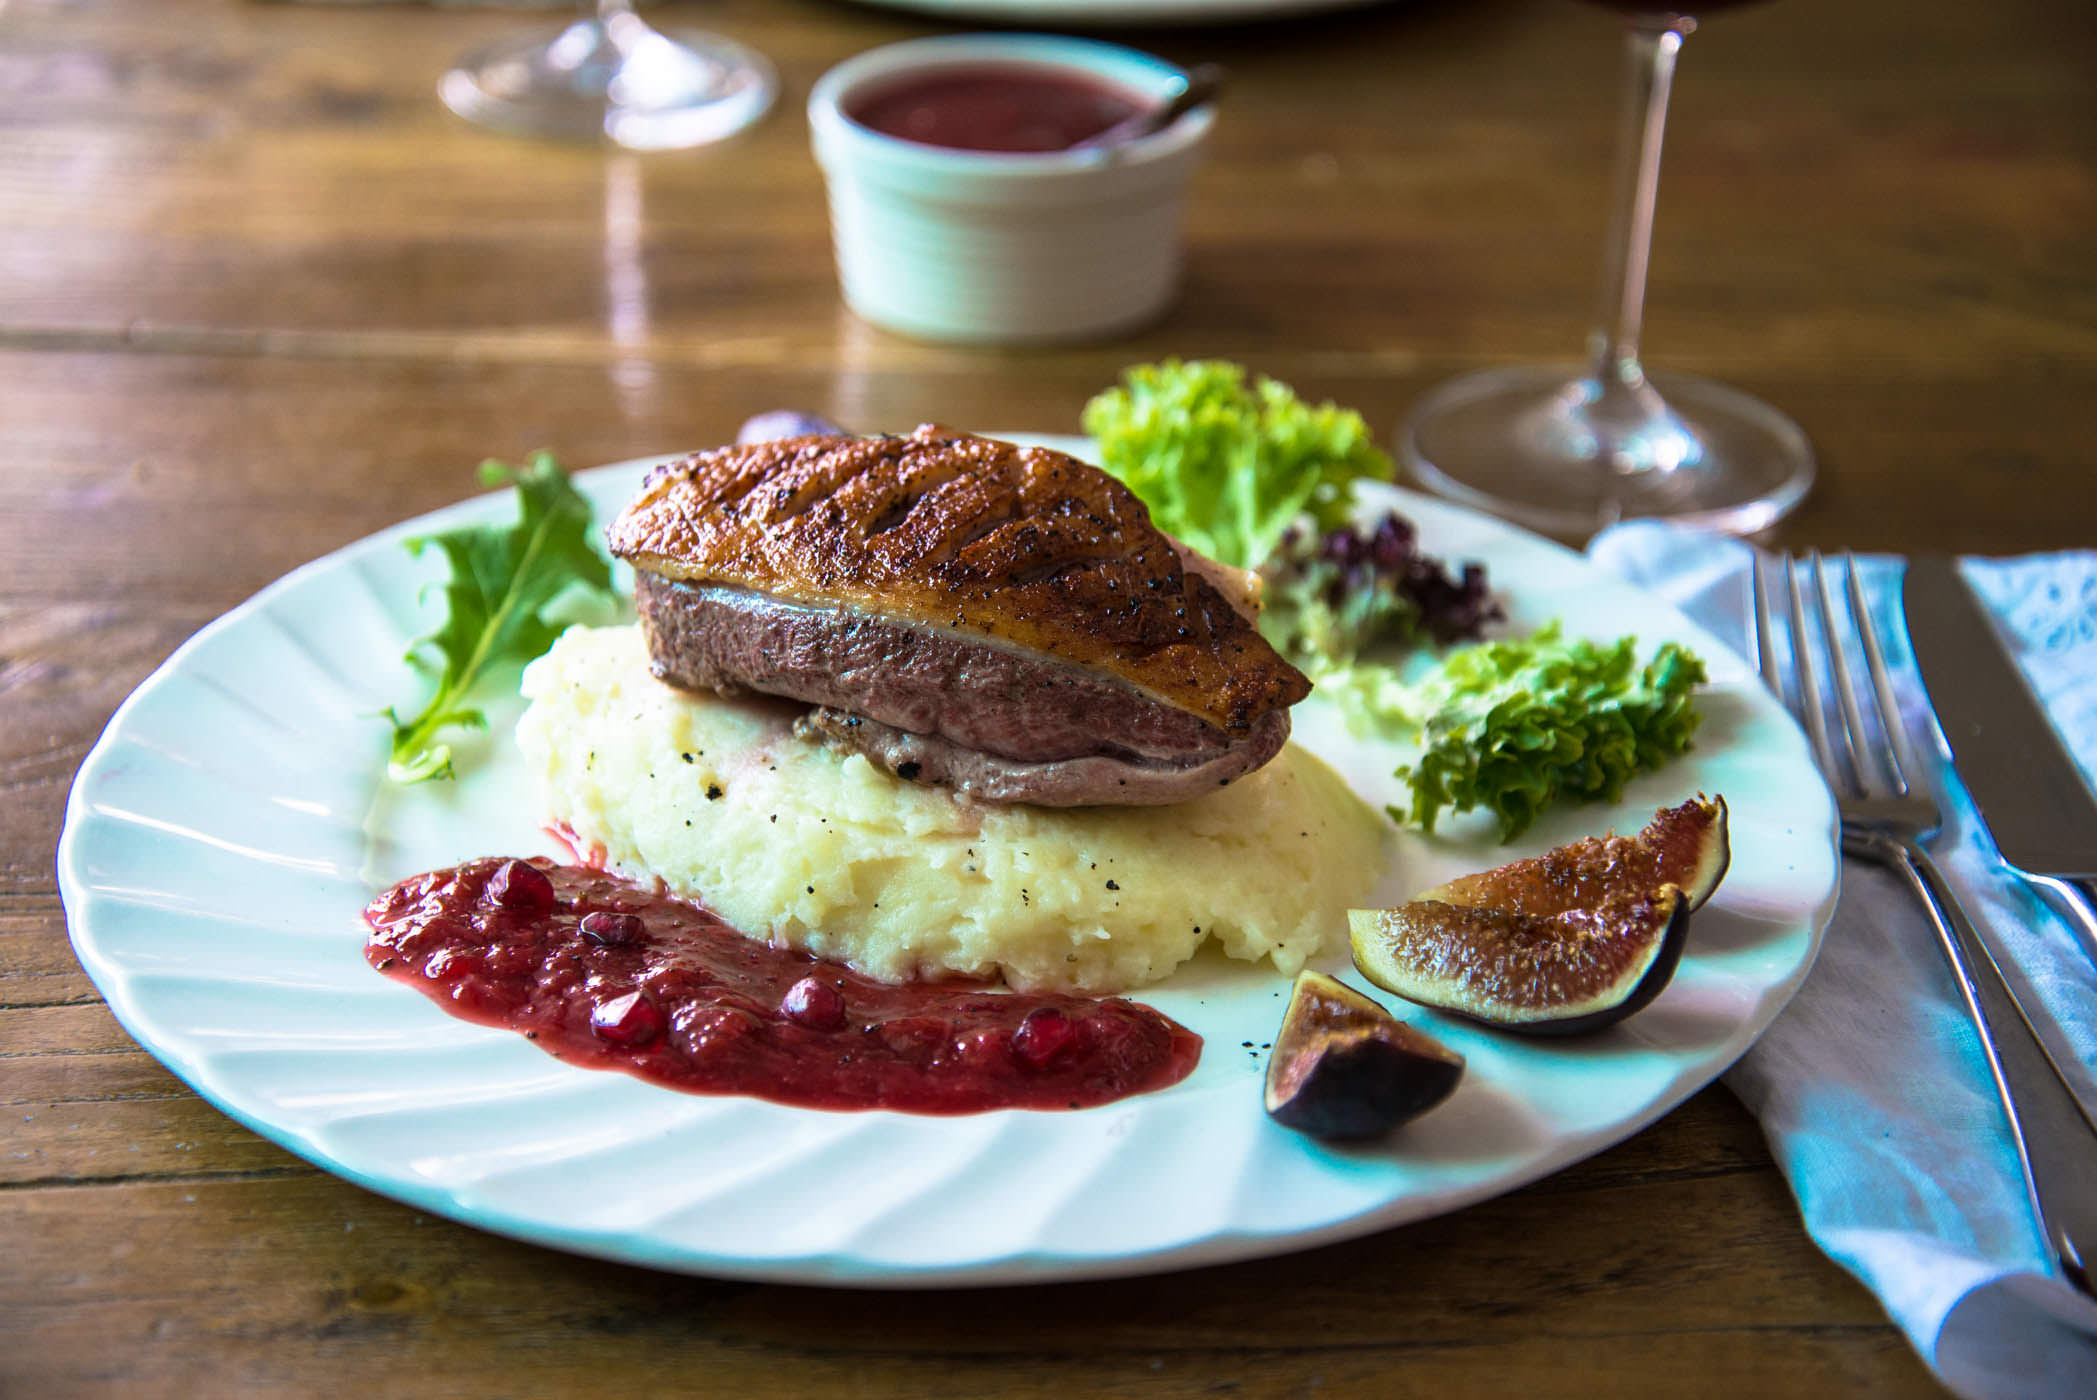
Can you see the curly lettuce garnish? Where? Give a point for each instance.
(1228, 466)
(502, 604)
(1253, 477)
(1512, 726)
(1332, 595)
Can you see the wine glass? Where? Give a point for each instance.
(1569, 451)
(610, 74)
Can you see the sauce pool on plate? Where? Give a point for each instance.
(604, 974)
(1007, 108)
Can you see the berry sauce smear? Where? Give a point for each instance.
(607, 975)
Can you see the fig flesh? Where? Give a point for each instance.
(1684, 846)
(1550, 974)
(1344, 1069)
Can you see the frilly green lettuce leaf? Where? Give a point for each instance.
(1513, 726)
(1225, 466)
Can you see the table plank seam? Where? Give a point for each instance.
(53, 1183)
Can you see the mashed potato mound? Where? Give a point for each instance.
(802, 845)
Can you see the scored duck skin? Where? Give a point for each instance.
(1026, 546)
(970, 597)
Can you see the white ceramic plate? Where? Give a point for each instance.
(225, 834)
(1082, 14)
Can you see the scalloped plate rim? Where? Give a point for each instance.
(828, 1267)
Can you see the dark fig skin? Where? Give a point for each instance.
(1662, 972)
(1344, 1070)
(1684, 846)
(1469, 962)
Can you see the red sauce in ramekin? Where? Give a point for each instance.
(994, 107)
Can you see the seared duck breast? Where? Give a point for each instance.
(1003, 620)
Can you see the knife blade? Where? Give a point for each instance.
(2027, 788)
(2030, 794)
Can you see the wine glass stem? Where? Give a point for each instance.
(621, 25)
(1650, 69)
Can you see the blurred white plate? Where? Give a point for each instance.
(1082, 14)
(226, 832)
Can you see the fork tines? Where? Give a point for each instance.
(1815, 629)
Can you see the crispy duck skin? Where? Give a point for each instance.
(1024, 546)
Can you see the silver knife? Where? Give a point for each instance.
(2029, 791)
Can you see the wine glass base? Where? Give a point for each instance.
(639, 88)
(1540, 447)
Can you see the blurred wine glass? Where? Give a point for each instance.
(611, 75)
(1568, 451)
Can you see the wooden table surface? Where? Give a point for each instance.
(260, 295)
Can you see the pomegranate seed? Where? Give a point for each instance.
(450, 964)
(609, 930)
(520, 885)
(627, 1022)
(710, 1033)
(986, 1050)
(816, 1005)
(1045, 1036)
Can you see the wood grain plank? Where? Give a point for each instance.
(369, 1292)
(290, 458)
(81, 1142)
(56, 1079)
(83, 1029)
(1443, 171)
(260, 296)
(37, 967)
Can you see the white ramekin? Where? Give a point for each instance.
(996, 249)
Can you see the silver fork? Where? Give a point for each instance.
(1888, 820)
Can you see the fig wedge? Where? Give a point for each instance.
(1551, 974)
(1344, 1069)
(1684, 846)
